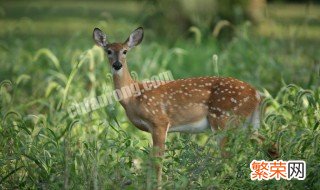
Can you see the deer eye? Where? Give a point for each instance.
(109, 52)
(124, 52)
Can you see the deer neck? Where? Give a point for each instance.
(122, 78)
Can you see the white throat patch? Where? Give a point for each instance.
(117, 72)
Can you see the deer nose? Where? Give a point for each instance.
(117, 65)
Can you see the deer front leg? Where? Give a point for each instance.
(159, 135)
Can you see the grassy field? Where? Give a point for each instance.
(48, 61)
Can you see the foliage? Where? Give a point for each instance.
(43, 71)
(203, 14)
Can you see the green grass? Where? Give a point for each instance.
(48, 61)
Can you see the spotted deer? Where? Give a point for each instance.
(185, 105)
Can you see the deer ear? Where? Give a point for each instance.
(99, 37)
(135, 37)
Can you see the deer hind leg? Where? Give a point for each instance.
(254, 121)
(216, 124)
(273, 147)
(222, 123)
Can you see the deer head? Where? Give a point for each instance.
(117, 52)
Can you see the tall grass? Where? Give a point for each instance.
(41, 147)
